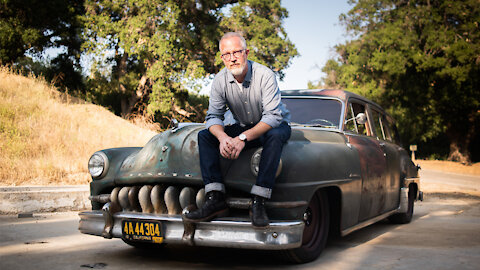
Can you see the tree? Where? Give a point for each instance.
(32, 25)
(163, 48)
(421, 61)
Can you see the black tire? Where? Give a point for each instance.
(315, 233)
(404, 218)
(142, 245)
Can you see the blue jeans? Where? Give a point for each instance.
(272, 142)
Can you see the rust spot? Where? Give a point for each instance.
(193, 146)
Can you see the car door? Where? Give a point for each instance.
(372, 161)
(390, 150)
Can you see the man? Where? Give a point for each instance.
(250, 91)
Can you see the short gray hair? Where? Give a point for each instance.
(234, 34)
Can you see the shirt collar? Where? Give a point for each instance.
(248, 77)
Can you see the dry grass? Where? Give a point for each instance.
(449, 166)
(46, 138)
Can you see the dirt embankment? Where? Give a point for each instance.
(47, 137)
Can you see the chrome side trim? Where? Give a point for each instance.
(367, 222)
(403, 208)
(238, 233)
(414, 180)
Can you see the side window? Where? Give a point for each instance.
(378, 125)
(392, 130)
(351, 125)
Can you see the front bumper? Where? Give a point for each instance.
(217, 233)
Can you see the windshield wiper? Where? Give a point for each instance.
(311, 125)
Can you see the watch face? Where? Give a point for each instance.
(242, 137)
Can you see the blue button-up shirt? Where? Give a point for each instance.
(259, 100)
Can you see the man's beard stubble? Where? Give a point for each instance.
(238, 71)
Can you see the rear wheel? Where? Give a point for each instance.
(315, 233)
(403, 218)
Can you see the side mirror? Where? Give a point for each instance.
(361, 118)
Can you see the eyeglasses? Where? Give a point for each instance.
(236, 54)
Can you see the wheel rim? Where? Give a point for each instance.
(313, 224)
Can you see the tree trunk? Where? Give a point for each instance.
(122, 70)
(460, 142)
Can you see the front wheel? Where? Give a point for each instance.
(315, 233)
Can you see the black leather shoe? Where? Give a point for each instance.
(214, 206)
(259, 214)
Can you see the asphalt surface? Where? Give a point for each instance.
(437, 183)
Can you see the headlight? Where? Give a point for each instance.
(255, 163)
(98, 165)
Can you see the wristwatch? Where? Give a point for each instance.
(242, 137)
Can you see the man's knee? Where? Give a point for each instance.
(205, 136)
(280, 134)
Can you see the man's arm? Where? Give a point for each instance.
(237, 145)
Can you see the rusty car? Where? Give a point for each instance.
(343, 168)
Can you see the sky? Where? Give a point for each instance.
(313, 26)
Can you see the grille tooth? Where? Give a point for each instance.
(114, 195)
(200, 198)
(144, 199)
(133, 199)
(123, 198)
(187, 197)
(171, 200)
(157, 197)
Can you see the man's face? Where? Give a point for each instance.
(230, 47)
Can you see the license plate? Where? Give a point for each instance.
(143, 231)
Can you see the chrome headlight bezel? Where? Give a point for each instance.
(98, 165)
(255, 163)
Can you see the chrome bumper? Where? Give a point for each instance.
(217, 233)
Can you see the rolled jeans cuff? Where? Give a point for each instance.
(215, 187)
(261, 191)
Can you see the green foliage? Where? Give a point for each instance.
(168, 48)
(33, 26)
(420, 60)
(260, 22)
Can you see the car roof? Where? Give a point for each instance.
(340, 94)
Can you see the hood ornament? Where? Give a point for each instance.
(174, 124)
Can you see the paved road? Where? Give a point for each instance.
(441, 182)
(443, 235)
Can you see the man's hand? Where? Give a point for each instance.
(237, 146)
(225, 146)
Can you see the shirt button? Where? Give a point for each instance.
(248, 112)
(245, 102)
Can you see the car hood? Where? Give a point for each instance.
(173, 153)
(172, 156)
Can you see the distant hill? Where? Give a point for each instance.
(46, 137)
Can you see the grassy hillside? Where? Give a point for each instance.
(46, 138)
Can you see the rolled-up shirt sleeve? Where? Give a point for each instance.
(271, 100)
(217, 106)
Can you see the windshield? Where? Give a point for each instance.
(314, 112)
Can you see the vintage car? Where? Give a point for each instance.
(342, 169)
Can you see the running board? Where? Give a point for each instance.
(368, 222)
